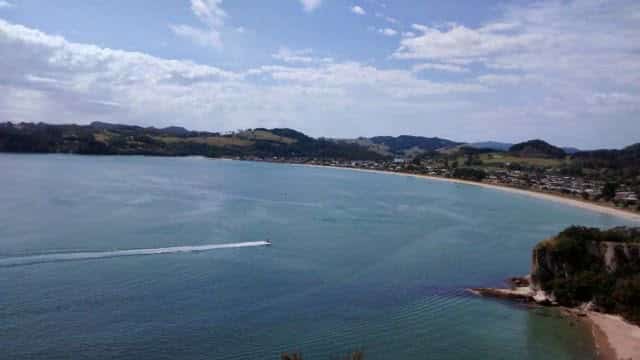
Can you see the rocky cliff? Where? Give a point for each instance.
(585, 265)
(607, 256)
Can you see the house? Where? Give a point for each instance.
(627, 197)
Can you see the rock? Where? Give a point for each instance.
(519, 281)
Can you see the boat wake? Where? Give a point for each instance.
(76, 256)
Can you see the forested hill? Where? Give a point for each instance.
(114, 139)
(537, 148)
(99, 138)
(628, 157)
(404, 143)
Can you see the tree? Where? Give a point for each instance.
(609, 190)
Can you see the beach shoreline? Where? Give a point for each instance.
(603, 209)
(614, 337)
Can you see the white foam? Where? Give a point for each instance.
(47, 258)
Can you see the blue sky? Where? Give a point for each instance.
(565, 71)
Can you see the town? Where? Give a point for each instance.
(548, 180)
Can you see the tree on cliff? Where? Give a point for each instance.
(582, 265)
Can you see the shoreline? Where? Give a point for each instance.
(599, 208)
(614, 337)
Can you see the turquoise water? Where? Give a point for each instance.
(360, 261)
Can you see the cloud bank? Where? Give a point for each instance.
(568, 72)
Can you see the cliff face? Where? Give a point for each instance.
(548, 264)
(584, 265)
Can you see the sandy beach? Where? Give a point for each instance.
(603, 209)
(615, 338)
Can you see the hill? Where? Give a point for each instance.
(537, 149)
(625, 160)
(401, 145)
(493, 145)
(116, 139)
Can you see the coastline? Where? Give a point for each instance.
(603, 209)
(614, 337)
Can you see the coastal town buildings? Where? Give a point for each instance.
(547, 181)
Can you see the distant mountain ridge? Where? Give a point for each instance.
(503, 146)
(108, 138)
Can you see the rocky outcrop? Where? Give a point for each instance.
(555, 259)
(582, 268)
(520, 290)
(547, 263)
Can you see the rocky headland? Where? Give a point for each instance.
(591, 273)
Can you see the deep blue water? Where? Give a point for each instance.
(360, 261)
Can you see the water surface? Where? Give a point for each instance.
(360, 261)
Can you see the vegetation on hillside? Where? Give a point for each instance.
(537, 148)
(113, 139)
(573, 267)
(401, 144)
(608, 164)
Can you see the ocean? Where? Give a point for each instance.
(165, 258)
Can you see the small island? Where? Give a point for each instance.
(594, 274)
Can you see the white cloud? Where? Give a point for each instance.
(198, 36)
(567, 49)
(358, 10)
(293, 56)
(498, 27)
(408, 34)
(388, 19)
(388, 32)
(212, 16)
(5, 4)
(461, 42)
(82, 83)
(310, 5)
(505, 79)
(565, 71)
(440, 67)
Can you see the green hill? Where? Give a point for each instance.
(403, 143)
(116, 139)
(537, 149)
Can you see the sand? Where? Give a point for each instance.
(603, 209)
(615, 338)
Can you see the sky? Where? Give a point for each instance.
(567, 71)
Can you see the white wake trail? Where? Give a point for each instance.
(47, 258)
